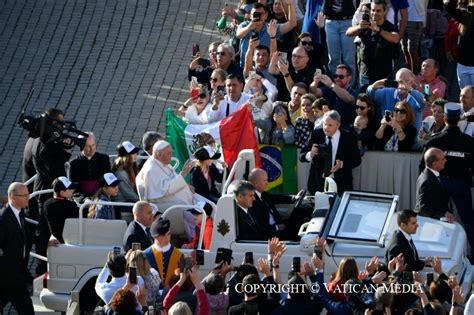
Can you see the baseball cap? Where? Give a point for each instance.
(63, 183)
(125, 148)
(109, 179)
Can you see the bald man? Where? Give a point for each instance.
(138, 230)
(431, 197)
(15, 246)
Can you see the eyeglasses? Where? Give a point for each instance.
(221, 53)
(339, 76)
(400, 110)
(306, 43)
(24, 195)
(298, 56)
(202, 95)
(361, 107)
(214, 79)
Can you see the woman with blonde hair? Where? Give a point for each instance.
(150, 276)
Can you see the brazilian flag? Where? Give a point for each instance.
(280, 165)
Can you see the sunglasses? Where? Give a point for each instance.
(214, 79)
(306, 43)
(339, 76)
(202, 95)
(400, 110)
(221, 53)
(361, 107)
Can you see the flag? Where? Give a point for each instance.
(280, 165)
(231, 135)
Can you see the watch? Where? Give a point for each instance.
(286, 75)
(333, 85)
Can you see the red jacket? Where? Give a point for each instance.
(452, 38)
(207, 236)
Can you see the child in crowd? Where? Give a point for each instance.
(360, 127)
(320, 107)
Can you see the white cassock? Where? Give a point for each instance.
(160, 184)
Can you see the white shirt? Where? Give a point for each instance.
(221, 112)
(163, 249)
(433, 171)
(335, 144)
(193, 117)
(407, 236)
(105, 290)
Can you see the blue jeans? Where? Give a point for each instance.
(465, 75)
(341, 48)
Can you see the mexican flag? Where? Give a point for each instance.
(231, 135)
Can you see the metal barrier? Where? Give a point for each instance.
(32, 179)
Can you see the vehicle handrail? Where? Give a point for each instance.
(40, 257)
(224, 179)
(29, 181)
(31, 221)
(231, 175)
(203, 219)
(89, 202)
(41, 192)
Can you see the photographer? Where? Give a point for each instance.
(331, 152)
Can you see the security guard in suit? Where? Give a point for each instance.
(457, 174)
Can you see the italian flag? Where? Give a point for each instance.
(231, 135)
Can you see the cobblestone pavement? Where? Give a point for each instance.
(111, 65)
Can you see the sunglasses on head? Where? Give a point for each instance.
(361, 107)
(400, 110)
(339, 76)
(306, 43)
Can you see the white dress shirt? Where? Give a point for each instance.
(221, 112)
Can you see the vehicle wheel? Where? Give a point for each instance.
(88, 299)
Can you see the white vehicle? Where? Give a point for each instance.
(359, 224)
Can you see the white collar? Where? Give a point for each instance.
(259, 194)
(395, 95)
(433, 171)
(244, 209)
(407, 236)
(15, 210)
(142, 226)
(335, 137)
(162, 249)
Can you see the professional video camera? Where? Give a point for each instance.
(49, 129)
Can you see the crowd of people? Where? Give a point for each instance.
(328, 78)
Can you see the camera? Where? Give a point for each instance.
(366, 17)
(49, 129)
(221, 91)
(388, 115)
(256, 16)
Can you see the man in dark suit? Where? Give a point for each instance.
(265, 212)
(138, 230)
(431, 197)
(402, 243)
(331, 152)
(247, 226)
(15, 246)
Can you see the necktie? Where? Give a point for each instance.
(148, 233)
(328, 160)
(413, 249)
(23, 231)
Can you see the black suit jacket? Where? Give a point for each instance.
(431, 198)
(262, 207)
(247, 226)
(399, 244)
(347, 152)
(13, 262)
(136, 234)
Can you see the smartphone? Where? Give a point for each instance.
(136, 246)
(188, 263)
(283, 56)
(249, 258)
(318, 72)
(199, 257)
(117, 250)
(427, 89)
(132, 274)
(221, 91)
(256, 16)
(182, 264)
(318, 250)
(366, 17)
(223, 254)
(429, 279)
(388, 115)
(426, 127)
(391, 83)
(296, 265)
(195, 49)
(254, 35)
